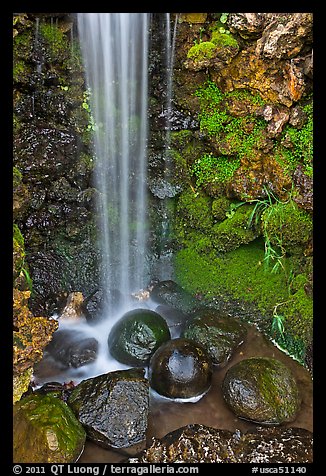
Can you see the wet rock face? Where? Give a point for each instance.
(46, 431)
(203, 444)
(113, 408)
(278, 445)
(180, 368)
(94, 305)
(262, 390)
(219, 334)
(172, 294)
(72, 348)
(136, 336)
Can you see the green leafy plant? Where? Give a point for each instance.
(273, 254)
(277, 325)
(28, 279)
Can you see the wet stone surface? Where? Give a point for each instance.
(180, 368)
(136, 336)
(203, 444)
(113, 408)
(218, 333)
(72, 348)
(262, 390)
(166, 416)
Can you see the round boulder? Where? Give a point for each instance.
(46, 431)
(263, 390)
(136, 336)
(219, 334)
(180, 368)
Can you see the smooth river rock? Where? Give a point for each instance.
(263, 390)
(180, 368)
(136, 336)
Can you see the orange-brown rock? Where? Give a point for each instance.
(31, 334)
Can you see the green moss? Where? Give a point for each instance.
(194, 210)
(234, 231)
(53, 430)
(220, 208)
(202, 51)
(237, 134)
(223, 39)
(238, 274)
(297, 313)
(57, 45)
(299, 148)
(287, 226)
(23, 45)
(21, 71)
(17, 177)
(18, 237)
(209, 169)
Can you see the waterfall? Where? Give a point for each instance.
(115, 53)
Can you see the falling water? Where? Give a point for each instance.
(115, 52)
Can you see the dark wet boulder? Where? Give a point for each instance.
(46, 431)
(202, 444)
(60, 390)
(72, 348)
(95, 304)
(136, 336)
(278, 445)
(113, 408)
(190, 444)
(180, 368)
(175, 319)
(263, 390)
(172, 294)
(218, 333)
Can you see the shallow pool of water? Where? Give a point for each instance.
(165, 415)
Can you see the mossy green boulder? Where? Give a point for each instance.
(219, 334)
(136, 336)
(263, 390)
(46, 431)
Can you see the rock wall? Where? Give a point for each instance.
(242, 165)
(53, 195)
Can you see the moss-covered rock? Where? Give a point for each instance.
(136, 336)
(262, 390)
(180, 368)
(46, 431)
(18, 251)
(219, 334)
(288, 226)
(234, 230)
(21, 383)
(194, 209)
